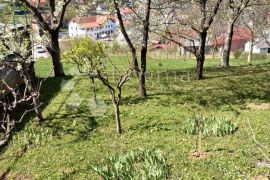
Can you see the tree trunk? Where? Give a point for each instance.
(199, 138)
(117, 118)
(33, 87)
(225, 59)
(132, 48)
(214, 52)
(215, 47)
(5, 139)
(7, 132)
(200, 56)
(54, 50)
(145, 33)
(250, 54)
(146, 24)
(134, 64)
(36, 103)
(94, 89)
(142, 87)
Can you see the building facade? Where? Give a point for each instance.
(259, 46)
(97, 27)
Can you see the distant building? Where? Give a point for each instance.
(240, 37)
(260, 46)
(93, 26)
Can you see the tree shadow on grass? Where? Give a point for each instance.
(50, 88)
(131, 100)
(212, 71)
(152, 126)
(205, 93)
(80, 123)
(236, 86)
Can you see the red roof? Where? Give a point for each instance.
(239, 34)
(42, 2)
(91, 21)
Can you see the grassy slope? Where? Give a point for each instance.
(72, 141)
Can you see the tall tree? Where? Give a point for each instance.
(256, 19)
(144, 20)
(17, 68)
(50, 26)
(193, 17)
(232, 11)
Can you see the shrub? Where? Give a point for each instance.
(237, 54)
(139, 164)
(210, 126)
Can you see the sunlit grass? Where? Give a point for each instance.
(78, 139)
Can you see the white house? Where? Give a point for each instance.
(97, 27)
(260, 46)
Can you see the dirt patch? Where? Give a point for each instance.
(197, 156)
(8, 175)
(260, 178)
(261, 106)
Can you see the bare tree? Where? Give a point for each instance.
(116, 93)
(50, 25)
(145, 22)
(195, 16)
(231, 12)
(216, 34)
(16, 68)
(256, 20)
(30, 95)
(90, 58)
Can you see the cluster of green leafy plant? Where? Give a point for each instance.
(217, 126)
(138, 164)
(32, 137)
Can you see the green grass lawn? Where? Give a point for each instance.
(71, 141)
